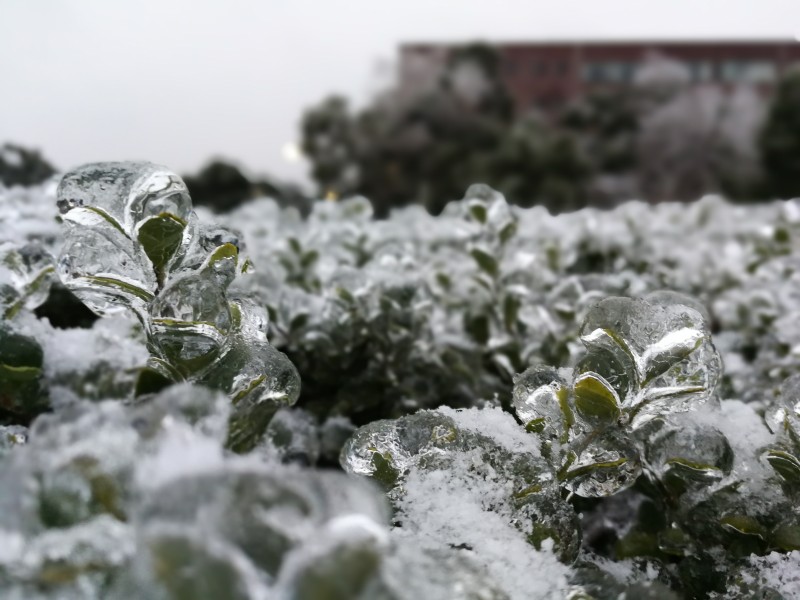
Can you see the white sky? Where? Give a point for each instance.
(180, 81)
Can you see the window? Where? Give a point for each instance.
(743, 71)
(611, 71)
(620, 72)
(761, 72)
(732, 71)
(701, 70)
(593, 72)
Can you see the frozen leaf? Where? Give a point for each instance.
(457, 455)
(160, 237)
(22, 389)
(642, 361)
(689, 455)
(26, 274)
(259, 380)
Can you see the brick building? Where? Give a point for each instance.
(549, 74)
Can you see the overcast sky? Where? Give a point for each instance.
(179, 81)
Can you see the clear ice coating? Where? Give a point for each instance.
(125, 192)
(499, 474)
(645, 359)
(133, 243)
(118, 501)
(784, 420)
(26, 274)
(685, 455)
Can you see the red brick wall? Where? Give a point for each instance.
(551, 74)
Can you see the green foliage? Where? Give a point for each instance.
(779, 143)
(174, 279)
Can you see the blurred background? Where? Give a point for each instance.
(563, 104)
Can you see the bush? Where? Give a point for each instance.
(529, 406)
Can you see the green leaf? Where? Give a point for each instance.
(477, 327)
(309, 258)
(21, 360)
(74, 215)
(535, 425)
(385, 472)
(508, 232)
(223, 252)
(743, 525)
(298, 322)
(786, 465)
(344, 294)
(674, 541)
(160, 237)
(13, 375)
(786, 536)
(295, 246)
(19, 351)
(693, 470)
(122, 287)
(478, 211)
(608, 465)
(150, 381)
(637, 543)
(510, 312)
(595, 399)
(485, 261)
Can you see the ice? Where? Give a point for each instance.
(100, 264)
(26, 274)
(645, 359)
(294, 436)
(689, 453)
(447, 471)
(98, 362)
(127, 192)
(12, 436)
(134, 244)
(190, 321)
(383, 319)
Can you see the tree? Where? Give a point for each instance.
(412, 145)
(21, 166)
(779, 142)
(219, 185)
(222, 187)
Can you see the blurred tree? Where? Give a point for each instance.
(330, 135)
(21, 166)
(412, 145)
(219, 185)
(536, 163)
(779, 142)
(702, 140)
(450, 123)
(222, 186)
(605, 127)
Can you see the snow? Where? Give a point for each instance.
(444, 506)
(497, 423)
